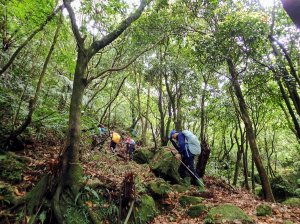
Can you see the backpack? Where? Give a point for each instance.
(132, 142)
(193, 142)
(116, 137)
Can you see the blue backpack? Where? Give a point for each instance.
(192, 142)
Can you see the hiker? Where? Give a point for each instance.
(115, 139)
(130, 143)
(187, 144)
(101, 129)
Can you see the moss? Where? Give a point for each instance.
(189, 200)
(293, 202)
(297, 192)
(159, 187)
(75, 176)
(11, 169)
(6, 193)
(196, 210)
(143, 155)
(227, 213)
(263, 210)
(146, 210)
(166, 166)
(180, 188)
(287, 222)
(282, 188)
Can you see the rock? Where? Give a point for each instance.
(227, 213)
(293, 202)
(287, 222)
(142, 155)
(159, 188)
(180, 188)
(263, 210)
(165, 165)
(196, 210)
(297, 192)
(145, 210)
(186, 200)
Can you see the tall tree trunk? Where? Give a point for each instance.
(202, 112)
(238, 160)
(250, 133)
(292, 7)
(144, 131)
(33, 101)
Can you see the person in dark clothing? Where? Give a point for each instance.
(130, 143)
(179, 142)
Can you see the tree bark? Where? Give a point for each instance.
(292, 7)
(33, 102)
(202, 113)
(250, 133)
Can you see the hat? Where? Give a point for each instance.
(172, 133)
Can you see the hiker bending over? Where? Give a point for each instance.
(188, 146)
(130, 144)
(115, 139)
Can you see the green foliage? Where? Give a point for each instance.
(293, 202)
(11, 169)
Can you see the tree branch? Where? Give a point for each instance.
(106, 40)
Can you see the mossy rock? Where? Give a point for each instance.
(180, 188)
(145, 210)
(165, 165)
(159, 187)
(263, 210)
(196, 210)
(11, 169)
(293, 202)
(287, 222)
(297, 192)
(6, 193)
(186, 200)
(227, 213)
(142, 155)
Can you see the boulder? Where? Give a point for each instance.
(165, 165)
(227, 213)
(263, 210)
(196, 210)
(293, 202)
(281, 188)
(186, 200)
(159, 188)
(180, 188)
(145, 210)
(142, 155)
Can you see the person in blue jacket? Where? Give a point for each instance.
(179, 142)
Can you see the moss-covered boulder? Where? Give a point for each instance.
(186, 200)
(196, 210)
(11, 169)
(180, 188)
(143, 155)
(287, 222)
(293, 202)
(297, 192)
(165, 165)
(263, 210)
(145, 210)
(159, 188)
(227, 213)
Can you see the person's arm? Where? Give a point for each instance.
(175, 145)
(181, 142)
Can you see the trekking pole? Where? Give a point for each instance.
(187, 167)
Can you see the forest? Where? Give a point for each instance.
(101, 100)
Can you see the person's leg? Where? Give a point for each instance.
(195, 177)
(113, 146)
